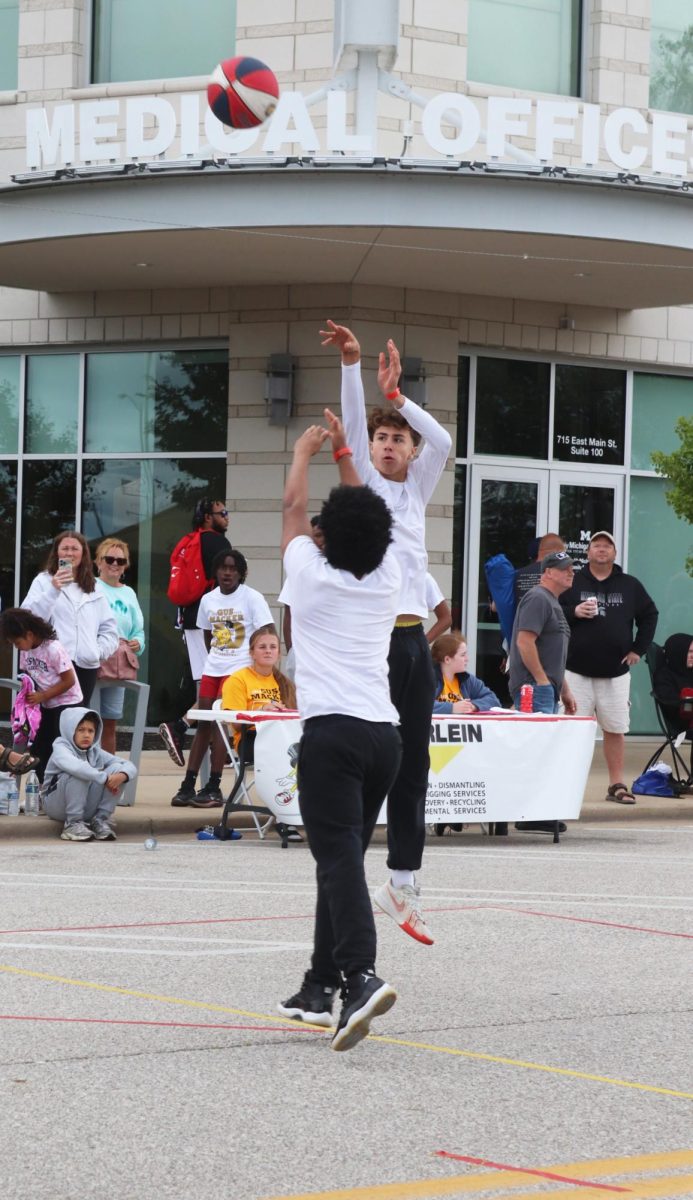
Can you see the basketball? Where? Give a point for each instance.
(242, 92)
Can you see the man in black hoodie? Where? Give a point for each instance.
(603, 606)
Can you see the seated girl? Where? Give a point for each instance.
(259, 687)
(457, 691)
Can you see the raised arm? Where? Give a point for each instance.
(428, 466)
(352, 396)
(295, 519)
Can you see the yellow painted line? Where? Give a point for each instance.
(493, 1181)
(389, 1041)
(121, 991)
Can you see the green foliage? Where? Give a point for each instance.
(671, 85)
(678, 467)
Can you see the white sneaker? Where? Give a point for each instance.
(404, 906)
(77, 832)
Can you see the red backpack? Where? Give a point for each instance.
(187, 581)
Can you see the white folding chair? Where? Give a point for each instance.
(239, 799)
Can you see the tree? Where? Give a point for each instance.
(678, 467)
(671, 84)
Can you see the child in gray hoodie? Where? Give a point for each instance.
(82, 782)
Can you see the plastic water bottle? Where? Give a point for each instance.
(150, 843)
(13, 798)
(526, 698)
(32, 803)
(4, 794)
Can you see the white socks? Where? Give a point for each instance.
(402, 879)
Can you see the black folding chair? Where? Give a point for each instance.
(682, 775)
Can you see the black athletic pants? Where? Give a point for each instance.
(345, 767)
(412, 685)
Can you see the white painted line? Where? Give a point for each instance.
(150, 953)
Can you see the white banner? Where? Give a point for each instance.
(485, 767)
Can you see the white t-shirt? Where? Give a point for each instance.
(406, 501)
(433, 593)
(232, 619)
(340, 628)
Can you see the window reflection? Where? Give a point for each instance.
(52, 397)
(150, 505)
(157, 401)
(47, 507)
(9, 404)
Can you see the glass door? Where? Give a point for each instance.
(580, 503)
(508, 506)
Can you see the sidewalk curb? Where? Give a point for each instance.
(131, 823)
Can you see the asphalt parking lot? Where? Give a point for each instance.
(542, 1047)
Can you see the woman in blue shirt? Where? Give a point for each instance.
(112, 561)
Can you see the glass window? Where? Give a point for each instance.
(657, 548)
(658, 402)
(48, 506)
(590, 415)
(671, 56)
(9, 404)
(9, 44)
(52, 396)
(150, 504)
(512, 407)
(458, 528)
(167, 401)
(538, 49)
(160, 39)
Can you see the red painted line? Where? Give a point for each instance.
(167, 1024)
(484, 1162)
(529, 912)
(207, 921)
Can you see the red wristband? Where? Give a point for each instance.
(393, 395)
(341, 453)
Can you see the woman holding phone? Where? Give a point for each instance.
(65, 594)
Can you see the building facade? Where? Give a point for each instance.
(505, 188)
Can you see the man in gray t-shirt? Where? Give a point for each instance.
(539, 645)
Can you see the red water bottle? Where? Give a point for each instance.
(526, 698)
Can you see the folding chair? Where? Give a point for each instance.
(239, 799)
(682, 775)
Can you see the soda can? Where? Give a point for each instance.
(526, 698)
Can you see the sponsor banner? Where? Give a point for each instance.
(500, 767)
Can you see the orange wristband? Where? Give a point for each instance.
(393, 395)
(341, 453)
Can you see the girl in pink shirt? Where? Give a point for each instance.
(47, 662)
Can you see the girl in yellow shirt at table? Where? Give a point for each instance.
(262, 685)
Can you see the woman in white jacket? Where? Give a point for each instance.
(80, 614)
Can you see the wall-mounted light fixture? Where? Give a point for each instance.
(413, 381)
(279, 388)
(566, 322)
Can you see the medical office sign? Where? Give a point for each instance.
(452, 125)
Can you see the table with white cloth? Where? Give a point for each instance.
(498, 766)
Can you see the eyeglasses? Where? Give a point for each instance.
(220, 512)
(115, 562)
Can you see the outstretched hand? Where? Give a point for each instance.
(310, 441)
(335, 430)
(344, 340)
(389, 371)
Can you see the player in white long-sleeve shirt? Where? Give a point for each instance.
(384, 448)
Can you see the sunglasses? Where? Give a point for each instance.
(115, 562)
(220, 512)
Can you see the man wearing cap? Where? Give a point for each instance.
(539, 647)
(612, 623)
(539, 644)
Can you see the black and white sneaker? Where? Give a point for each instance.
(312, 1003)
(363, 997)
(172, 734)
